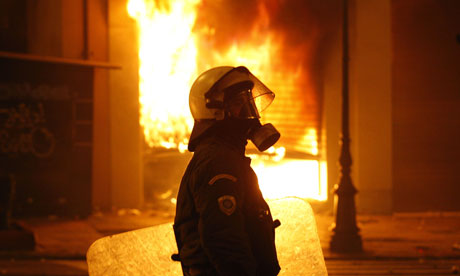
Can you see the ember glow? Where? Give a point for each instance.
(173, 50)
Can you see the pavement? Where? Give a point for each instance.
(61, 243)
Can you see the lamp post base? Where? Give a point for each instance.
(345, 242)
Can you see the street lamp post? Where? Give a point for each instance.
(345, 238)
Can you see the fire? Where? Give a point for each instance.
(167, 55)
(172, 51)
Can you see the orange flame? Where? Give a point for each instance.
(168, 54)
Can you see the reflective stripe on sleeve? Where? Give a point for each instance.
(222, 176)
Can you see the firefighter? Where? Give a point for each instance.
(223, 226)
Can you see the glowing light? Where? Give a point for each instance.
(290, 177)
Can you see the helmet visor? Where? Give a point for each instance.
(244, 95)
(242, 106)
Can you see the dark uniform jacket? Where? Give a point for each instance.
(223, 225)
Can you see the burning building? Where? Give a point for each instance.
(94, 98)
(180, 39)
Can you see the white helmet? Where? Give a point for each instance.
(223, 92)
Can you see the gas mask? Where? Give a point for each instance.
(263, 136)
(241, 104)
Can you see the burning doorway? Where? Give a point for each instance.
(279, 42)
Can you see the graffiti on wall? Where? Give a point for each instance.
(24, 131)
(39, 105)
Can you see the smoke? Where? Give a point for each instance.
(229, 20)
(303, 30)
(302, 25)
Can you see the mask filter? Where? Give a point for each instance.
(264, 136)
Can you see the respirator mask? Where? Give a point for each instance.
(241, 104)
(263, 136)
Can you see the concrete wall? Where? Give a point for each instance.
(426, 105)
(370, 103)
(56, 28)
(125, 132)
(100, 30)
(97, 49)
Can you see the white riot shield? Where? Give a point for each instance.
(148, 251)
